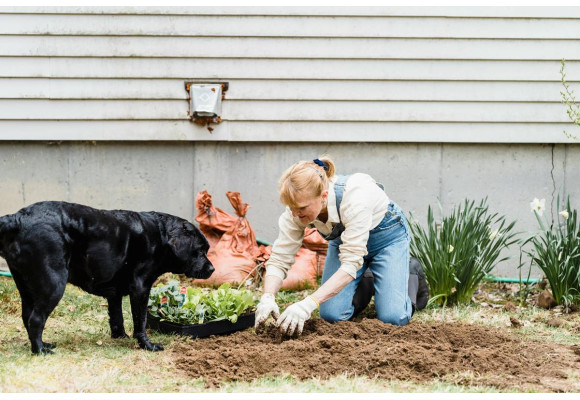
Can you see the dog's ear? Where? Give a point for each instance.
(182, 236)
(187, 227)
(179, 237)
(175, 243)
(179, 244)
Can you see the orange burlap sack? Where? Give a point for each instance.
(213, 222)
(302, 275)
(234, 254)
(313, 241)
(308, 264)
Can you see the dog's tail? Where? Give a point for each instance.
(8, 224)
(8, 227)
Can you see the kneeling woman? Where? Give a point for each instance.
(365, 230)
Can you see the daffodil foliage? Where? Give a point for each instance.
(461, 249)
(556, 251)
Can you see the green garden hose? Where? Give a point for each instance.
(511, 280)
(264, 242)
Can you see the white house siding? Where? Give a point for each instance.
(372, 74)
(440, 103)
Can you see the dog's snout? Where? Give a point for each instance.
(208, 270)
(201, 270)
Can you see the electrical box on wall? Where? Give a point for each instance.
(205, 102)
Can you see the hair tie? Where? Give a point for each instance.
(320, 163)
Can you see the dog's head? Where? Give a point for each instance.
(189, 247)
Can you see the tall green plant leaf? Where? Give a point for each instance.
(460, 251)
(556, 251)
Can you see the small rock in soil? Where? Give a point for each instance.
(546, 300)
(555, 322)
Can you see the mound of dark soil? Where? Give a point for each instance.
(419, 352)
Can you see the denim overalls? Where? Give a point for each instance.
(387, 258)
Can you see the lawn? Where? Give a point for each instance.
(88, 360)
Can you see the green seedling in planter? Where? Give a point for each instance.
(227, 303)
(461, 251)
(187, 306)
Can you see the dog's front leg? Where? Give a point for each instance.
(116, 317)
(139, 298)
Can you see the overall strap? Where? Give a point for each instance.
(339, 186)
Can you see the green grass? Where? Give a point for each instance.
(345, 383)
(88, 360)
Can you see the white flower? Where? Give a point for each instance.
(451, 248)
(564, 214)
(538, 206)
(494, 234)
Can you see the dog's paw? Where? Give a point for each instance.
(119, 335)
(43, 351)
(151, 346)
(48, 346)
(156, 347)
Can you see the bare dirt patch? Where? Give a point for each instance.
(470, 355)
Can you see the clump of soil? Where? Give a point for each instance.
(546, 300)
(420, 352)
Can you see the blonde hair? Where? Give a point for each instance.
(305, 178)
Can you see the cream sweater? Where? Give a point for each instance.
(363, 207)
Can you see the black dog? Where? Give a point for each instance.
(107, 253)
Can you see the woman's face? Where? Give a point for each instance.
(308, 208)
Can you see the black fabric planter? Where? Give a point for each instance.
(221, 327)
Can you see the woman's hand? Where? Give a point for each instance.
(266, 306)
(295, 316)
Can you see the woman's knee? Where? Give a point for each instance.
(394, 317)
(333, 314)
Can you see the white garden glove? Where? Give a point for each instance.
(266, 306)
(295, 316)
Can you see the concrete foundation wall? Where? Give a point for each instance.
(167, 176)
